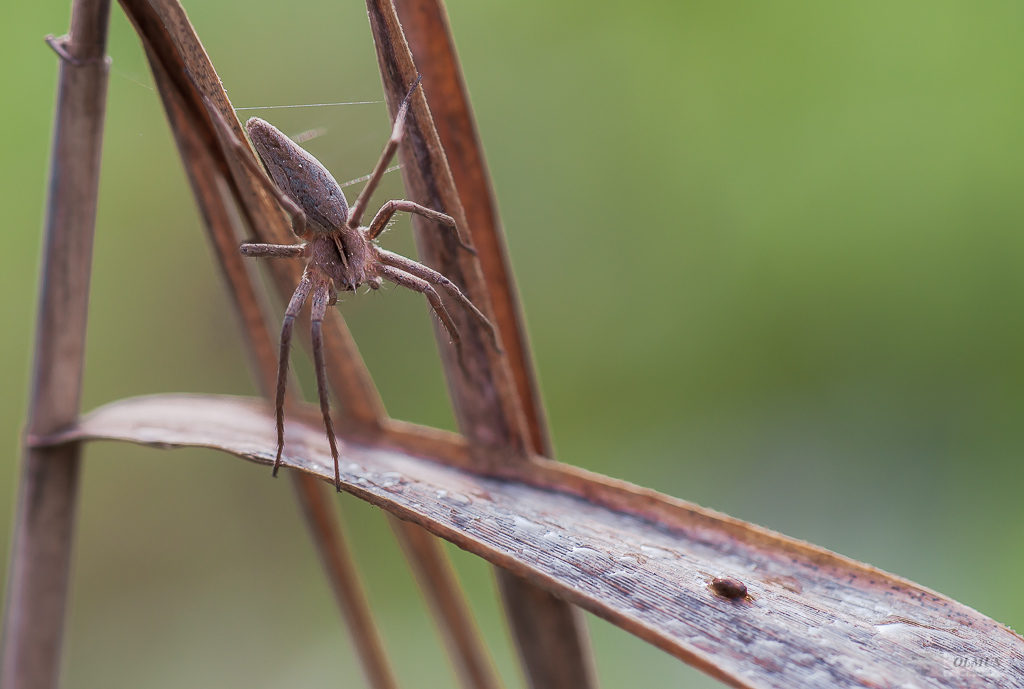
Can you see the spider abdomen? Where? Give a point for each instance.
(301, 176)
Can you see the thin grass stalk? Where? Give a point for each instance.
(315, 500)
(426, 27)
(494, 397)
(551, 637)
(349, 378)
(430, 564)
(214, 197)
(165, 24)
(44, 529)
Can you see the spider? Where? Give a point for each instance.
(339, 254)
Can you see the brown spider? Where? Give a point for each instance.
(340, 255)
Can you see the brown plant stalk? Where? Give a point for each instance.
(44, 529)
(491, 397)
(204, 169)
(218, 181)
(551, 638)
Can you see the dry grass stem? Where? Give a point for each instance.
(37, 586)
(495, 402)
(216, 195)
(219, 180)
(430, 564)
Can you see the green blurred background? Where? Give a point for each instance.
(770, 255)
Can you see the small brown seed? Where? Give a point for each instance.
(730, 588)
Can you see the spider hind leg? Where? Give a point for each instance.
(321, 298)
(294, 306)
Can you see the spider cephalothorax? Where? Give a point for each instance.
(340, 255)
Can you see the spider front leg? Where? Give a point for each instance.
(321, 298)
(355, 215)
(386, 211)
(294, 306)
(274, 250)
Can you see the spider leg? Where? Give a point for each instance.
(403, 279)
(388, 209)
(355, 214)
(321, 297)
(294, 305)
(432, 276)
(274, 250)
(244, 153)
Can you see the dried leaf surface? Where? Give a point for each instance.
(811, 618)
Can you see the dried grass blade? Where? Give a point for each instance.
(172, 37)
(812, 617)
(215, 195)
(426, 27)
(486, 405)
(37, 587)
(336, 558)
(350, 385)
(498, 404)
(437, 580)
